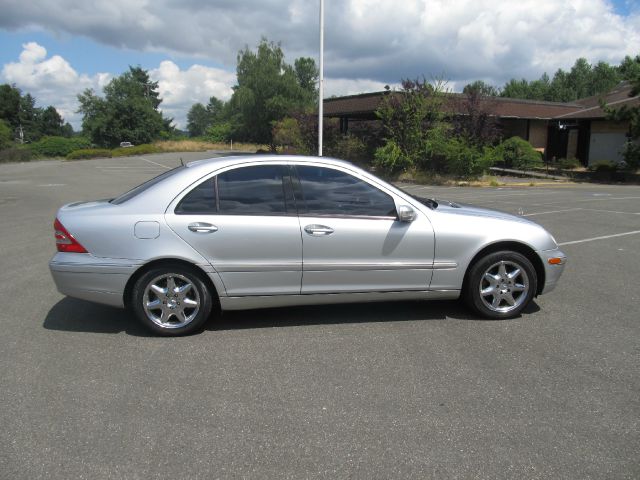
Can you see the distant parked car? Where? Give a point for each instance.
(126, 144)
(266, 231)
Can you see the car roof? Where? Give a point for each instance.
(193, 171)
(222, 161)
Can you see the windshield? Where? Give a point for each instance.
(143, 186)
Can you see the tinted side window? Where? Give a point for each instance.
(331, 192)
(201, 199)
(257, 190)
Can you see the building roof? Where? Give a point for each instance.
(364, 105)
(616, 98)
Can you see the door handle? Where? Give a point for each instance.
(201, 227)
(318, 230)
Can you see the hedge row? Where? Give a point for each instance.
(89, 153)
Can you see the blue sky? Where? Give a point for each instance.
(94, 57)
(56, 49)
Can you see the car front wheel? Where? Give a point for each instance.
(171, 300)
(501, 284)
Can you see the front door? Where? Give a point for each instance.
(352, 240)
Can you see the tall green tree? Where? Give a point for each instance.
(198, 120)
(631, 152)
(30, 118)
(6, 135)
(20, 112)
(479, 87)
(583, 80)
(411, 118)
(268, 89)
(10, 105)
(629, 68)
(201, 117)
(51, 123)
(127, 112)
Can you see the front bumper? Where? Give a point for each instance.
(552, 271)
(100, 280)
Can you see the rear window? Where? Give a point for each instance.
(134, 192)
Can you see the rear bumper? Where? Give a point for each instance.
(100, 280)
(552, 271)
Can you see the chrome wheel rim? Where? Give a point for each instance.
(171, 301)
(504, 287)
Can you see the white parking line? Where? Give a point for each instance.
(599, 238)
(552, 211)
(611, 211)
(155, 163)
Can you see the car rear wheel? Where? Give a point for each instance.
(171, 300)
(501, 284)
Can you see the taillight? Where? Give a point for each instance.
(65, 241)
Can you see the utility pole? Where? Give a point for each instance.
(320, 85)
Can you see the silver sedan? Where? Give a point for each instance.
(247, 232)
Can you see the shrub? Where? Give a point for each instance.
(286, 133)
(15, 154)
(143, 149)
(569, 163)
(58, 146)
(89, 153)
(219, 132)
(603, 166)
(518, 153)
(454, 154)
(347, 147)
(631, 154)
(389, 158)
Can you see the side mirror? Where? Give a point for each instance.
(406, 214)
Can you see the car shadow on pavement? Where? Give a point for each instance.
(73, 315)
(401, 311)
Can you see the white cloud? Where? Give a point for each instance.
(179, 89)
(380, 40)
(52, 81)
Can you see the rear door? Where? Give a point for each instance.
(244, 222)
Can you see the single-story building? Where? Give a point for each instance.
(577, 129)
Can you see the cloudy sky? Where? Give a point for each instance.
(55, 49)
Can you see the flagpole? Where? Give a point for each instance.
(320, 83)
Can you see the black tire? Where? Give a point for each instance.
(498, 293)
(171, 300)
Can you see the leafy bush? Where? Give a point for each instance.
(58, 146)
(347, 147)
(455, 154)
(15, 154)
(89, 153)
(631, 154)
(518, 153)
(143, 149)
(219, 132)
(389, 158)
(286, 133)
(603, 166)
(569, 163)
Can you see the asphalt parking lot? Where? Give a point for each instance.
(394, 390)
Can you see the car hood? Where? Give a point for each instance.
(454, 208)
